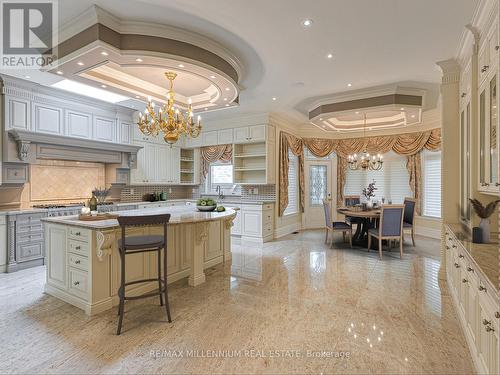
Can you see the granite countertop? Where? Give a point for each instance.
(179, 215)
(485, 255)
(222, 202)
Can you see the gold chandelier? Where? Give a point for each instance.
(365, 161)
(169, 120)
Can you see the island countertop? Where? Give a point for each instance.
(179, 215)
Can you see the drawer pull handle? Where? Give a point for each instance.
(77, 261)
(454, 246)
(470, 269)
(465, 281)
(457, 265)
(78, 234)
(482, 288)
(489, 329)
(78, 248)
(460, 256)
(486, 322)
(484, 68)
(497, 315)
(485, 184)
(463, 95)
(447, 248)
(76, 283)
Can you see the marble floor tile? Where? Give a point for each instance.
(294, 305)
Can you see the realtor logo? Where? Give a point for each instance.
(29, 33)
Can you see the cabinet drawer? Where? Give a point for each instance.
(78, 283)
(78, 247)
(29, 237)
(267, 230)
(29, 251)
(268, 206)
(267, 217)
(29, 218)
(79, 234)
(78, 261)
(29, 228)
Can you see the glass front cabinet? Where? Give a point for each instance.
(489, 165)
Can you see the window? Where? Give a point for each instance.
(220, 174)
(293, 185)
(431, 173)
(392, 181)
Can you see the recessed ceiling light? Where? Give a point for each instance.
(274, 98)
(104, 86)
(213, 77)
(227, 88)
(104, 53)
(138, 60)
(137, 97)
(80, 63)
(402, 109)
(349, 84)
(94, 92)
(329, 56)
(227, 105)
(225, 99)
(307, 22)
(59, 72)
(181, 66)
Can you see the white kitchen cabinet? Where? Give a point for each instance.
(17, 113)
(249, 134)
(78, 124)
(257, 222)
(193, 142)
(47, 119)
(3, 243)
(210, 138)
(104, 129)
(173, 163)
(56, 247)
(477, 304)
(236, 228)
(225, 136)
(125, 132)
(156, 164)
(189, 164)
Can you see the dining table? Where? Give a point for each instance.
(367, 219)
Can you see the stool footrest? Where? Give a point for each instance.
(146, 295)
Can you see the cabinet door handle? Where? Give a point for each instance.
(78, 248)
(460, 256)
(457, 265)
(497, 315)
(486, 322)
(454, 246)
(465, 281)
(482, 288)
(497, 183)
(77, 261)
(78, 234)
(497, 48)
(485, 184)
(76, 283)
(463, 95)
(484, 68)
(489, 329)
(447, 248)
(470, 269)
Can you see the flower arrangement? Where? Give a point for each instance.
(369, 192)
(484, 212)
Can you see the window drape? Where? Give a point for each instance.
(295, 145)
(211, 154)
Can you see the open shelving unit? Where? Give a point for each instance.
(250, 163)
(187, 166)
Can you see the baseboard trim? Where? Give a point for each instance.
(286, 230)
(428, 232)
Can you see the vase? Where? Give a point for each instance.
(484, 224)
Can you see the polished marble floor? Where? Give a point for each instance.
(290, 306)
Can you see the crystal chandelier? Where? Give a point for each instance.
(365, 161)
(169, 120)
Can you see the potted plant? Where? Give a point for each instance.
(369, 193)
(484, 212)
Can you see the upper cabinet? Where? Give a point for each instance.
(50, 111)
(250, 134)
(489, 137)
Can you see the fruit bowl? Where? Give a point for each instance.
(206, 208)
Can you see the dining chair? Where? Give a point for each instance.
(390, 227)
(352, 200)
(409, 217)
(335, 226)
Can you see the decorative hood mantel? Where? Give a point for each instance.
(32, 146)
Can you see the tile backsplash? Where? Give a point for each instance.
(136, 193)
(264, 192)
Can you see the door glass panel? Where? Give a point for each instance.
(482, 136)
(317, 184)
(493, 131)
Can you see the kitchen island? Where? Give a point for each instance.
(83, 263)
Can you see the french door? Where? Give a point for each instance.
(318, 186)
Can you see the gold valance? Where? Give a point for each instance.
(211, 154)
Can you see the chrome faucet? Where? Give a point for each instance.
(219, 190)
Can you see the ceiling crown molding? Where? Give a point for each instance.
(96, 15)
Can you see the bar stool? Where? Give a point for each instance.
(141, 244)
